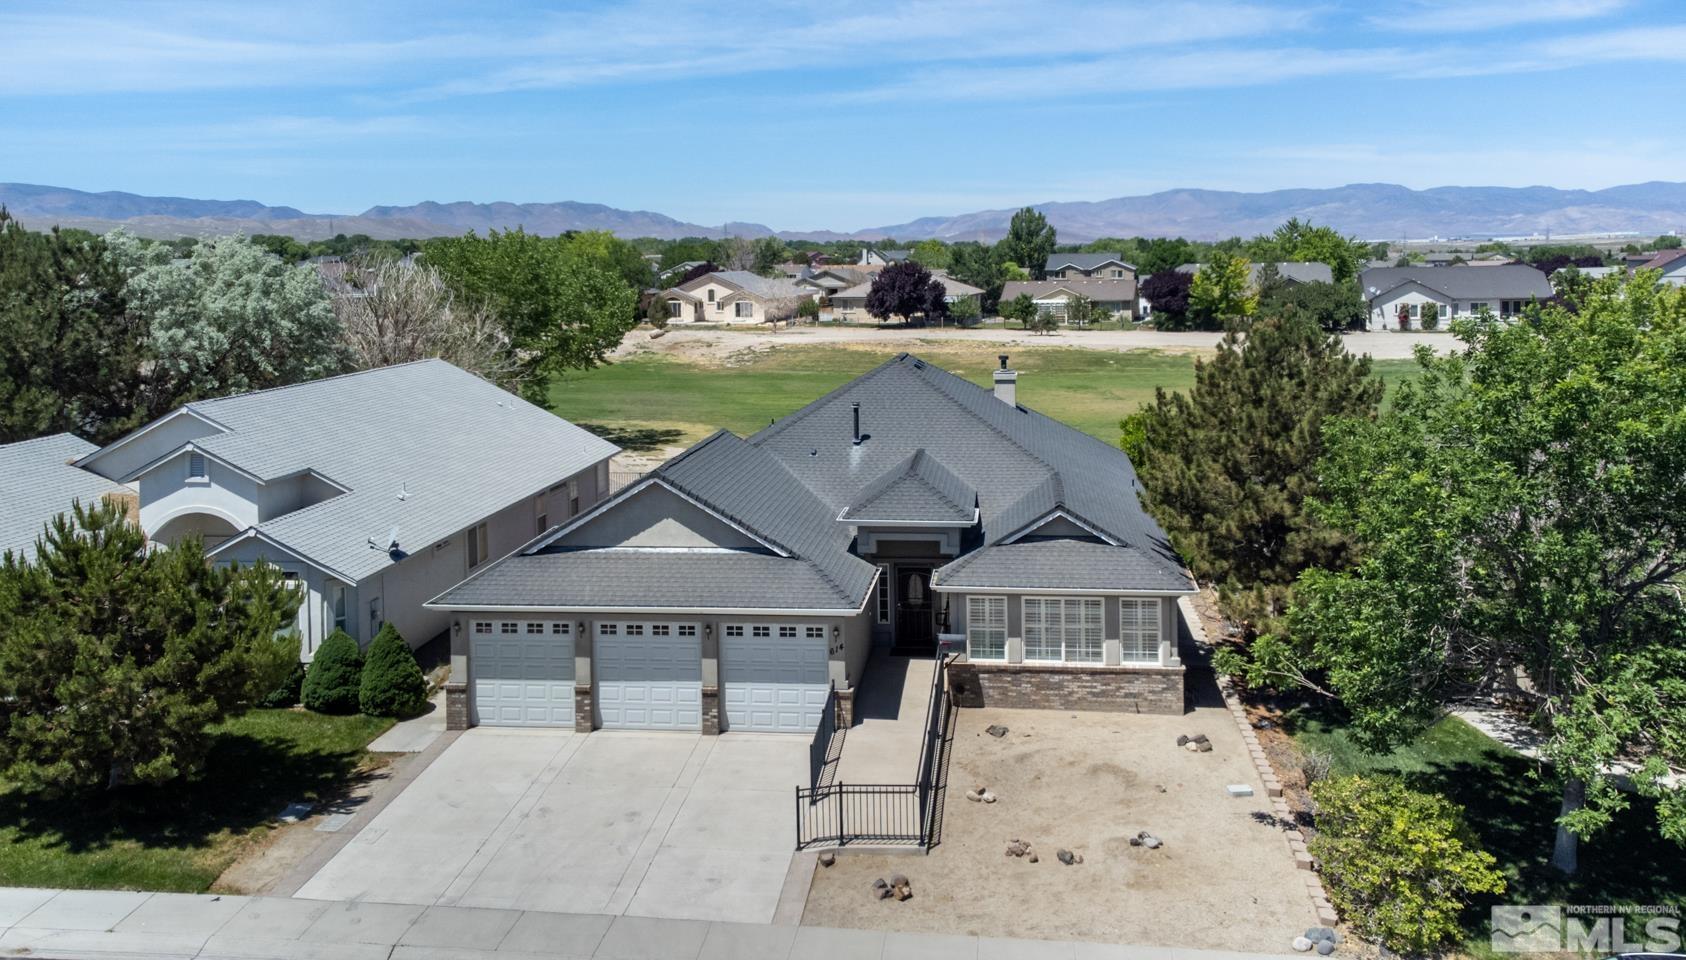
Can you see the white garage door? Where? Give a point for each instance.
(649, 676)
(523, 673)
(774, 676)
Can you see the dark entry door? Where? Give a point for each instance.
(915, 631)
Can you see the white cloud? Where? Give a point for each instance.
(1462, 16)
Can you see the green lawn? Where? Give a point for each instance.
(183, 837)
(1089, 389)
(1513, 812)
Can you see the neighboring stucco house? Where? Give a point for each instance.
(736, 585)
(850, 304)
(735, 296)
(1393, 293)
(1098, 266)
(39, 480)
(1672, 265)
(1292, 272)
(373, 490)
(1117, 297)
(873, 257)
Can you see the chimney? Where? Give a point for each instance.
(857, 412)
(1007, 384)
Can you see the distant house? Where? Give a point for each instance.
(871, 256)
(1672, 263)
(1290, 271)
(1397, 296)
(735, 296)
(1096, 266)
(850, 305)
(371, 491)
(39, 480)
(830, 281)
(1117, 297)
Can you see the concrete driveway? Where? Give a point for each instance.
(655, 825)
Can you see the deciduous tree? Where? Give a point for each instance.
(1221, 292)
(1029, 241)
(906, 290)
(1167, 295)
(1521, 530)
(391, 312)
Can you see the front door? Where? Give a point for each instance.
(915, 633)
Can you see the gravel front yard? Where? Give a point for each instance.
(1088, 782)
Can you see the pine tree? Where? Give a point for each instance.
(114, 659)
(1227, 468)
(392, 684)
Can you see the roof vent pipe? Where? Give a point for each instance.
(857, 413)
(1007, 384)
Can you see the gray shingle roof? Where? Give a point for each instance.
(934, 444)
(951, 287)
(1511, 281)
(1056, 564)
(754, 284)
(1022, 464)
(1083, 261)
(37, 482)
(808, 565)
(1300, 272)
(917, 490)
(459, 448)
(1095, 288)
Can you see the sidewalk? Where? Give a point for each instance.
(104, 924)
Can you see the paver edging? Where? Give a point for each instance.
(1303, 859)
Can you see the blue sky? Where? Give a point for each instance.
(805, 115)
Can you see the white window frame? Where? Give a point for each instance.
(977, 623)
(477, 545)
(675, 309)
(1059, 624)
(884, 584)
(1136, 644)
(743, 309)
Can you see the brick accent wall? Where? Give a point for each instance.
(1065, 687)
(456, 706)
(711, 710)
(583, 719)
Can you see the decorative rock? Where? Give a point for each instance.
(880, 889)
(1200, 738)
(1182, 740)
(1066, 857)
(1033, 858)
(904, 893)
(1150, 842)
(827, 858)
(1135, 841)
(1322, 933)
(974, 796)
(1302, 945)
(988, 797)
(1192, 747)
(1324, 948)
(996, 730)
(1203, 746)
(899, 880)
(1017, 848)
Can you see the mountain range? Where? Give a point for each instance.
(1372, 211)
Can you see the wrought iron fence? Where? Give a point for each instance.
(839, 814)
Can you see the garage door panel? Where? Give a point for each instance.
(774, 677)
(649, 676)
(522, 673)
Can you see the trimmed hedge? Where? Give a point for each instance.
(331, 684)
(392, 681)
(287, 694)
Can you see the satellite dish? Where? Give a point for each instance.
(391, 545)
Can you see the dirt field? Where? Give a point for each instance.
(1088, 782)
(721, 345)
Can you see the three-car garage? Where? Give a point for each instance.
(649, 674)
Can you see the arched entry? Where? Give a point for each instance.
(211, 527)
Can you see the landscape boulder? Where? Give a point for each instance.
(996, 730)
(880, 889)
(1302, 945)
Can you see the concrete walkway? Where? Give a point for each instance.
(1514, 732)
(103, 924)
(883, 745)
(415, 734)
